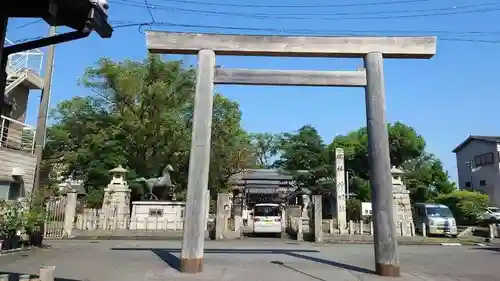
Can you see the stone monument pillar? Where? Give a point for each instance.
(116, 203)
(402, 205)
(340, 189)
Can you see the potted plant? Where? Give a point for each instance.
(11, 223)
(33, 222)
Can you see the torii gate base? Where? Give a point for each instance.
(371, 49)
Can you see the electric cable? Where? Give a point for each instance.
(457, 10)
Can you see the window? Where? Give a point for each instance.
(267, 211)
(438, 212)
(156, 212)
(467, 184)
(483, 159)
(482, 182)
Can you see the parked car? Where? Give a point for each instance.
(438, 219)
(492, 213)
(267, 218)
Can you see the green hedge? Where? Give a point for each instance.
(466, 206)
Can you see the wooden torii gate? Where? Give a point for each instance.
(372, 49)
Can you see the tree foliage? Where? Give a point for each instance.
(466, 206)
(140, 116)
(424, 173)
(305, 154)
(266, 146)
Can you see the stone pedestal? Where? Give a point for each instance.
(116, 204)
(402, 205)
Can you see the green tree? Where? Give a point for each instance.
(425, 175)
(232, 150)
(404, 144)
(466, 206)
(140, 116)
(305, 151)
(266, 146)
(426, 178)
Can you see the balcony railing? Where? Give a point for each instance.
(16, 135)
(31, 59)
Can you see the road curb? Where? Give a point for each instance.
(405, 243)
(23, 250)
(111, 237)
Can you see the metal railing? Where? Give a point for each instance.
(16, 135)
(31, 59)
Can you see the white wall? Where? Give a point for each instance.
(171, 217)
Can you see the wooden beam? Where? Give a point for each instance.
(290, 77)
(290, 46)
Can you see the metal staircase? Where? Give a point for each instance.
(14, 79)
(20, 66)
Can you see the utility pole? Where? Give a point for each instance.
(3, 61)
(471, 170)
(41, 126)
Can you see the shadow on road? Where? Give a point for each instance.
(166, 254)
(14, 276)
(279, 263)
(491, 249)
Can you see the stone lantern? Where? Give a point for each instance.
(116, 201)
(118, 174)
(397, 175)
(402, 205)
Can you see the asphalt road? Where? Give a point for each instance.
(250, 260)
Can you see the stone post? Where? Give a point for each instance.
(208, 208)
(69, 212)
(47, 273)
(340, 188)
(223, 213)
(492, 230)
(300, 233)
(318, 218)
(283, 223)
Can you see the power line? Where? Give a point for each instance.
(478, 8)
(335, 32)
(28, 24)
(452, 36)
(296, 6)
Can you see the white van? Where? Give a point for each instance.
(438, 219)
(267, 218)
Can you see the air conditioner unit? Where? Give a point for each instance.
(17, 172)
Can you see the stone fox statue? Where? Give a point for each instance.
(163, 183)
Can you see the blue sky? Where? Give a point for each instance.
(445, 99)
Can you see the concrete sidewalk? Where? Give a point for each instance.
(251, 260)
